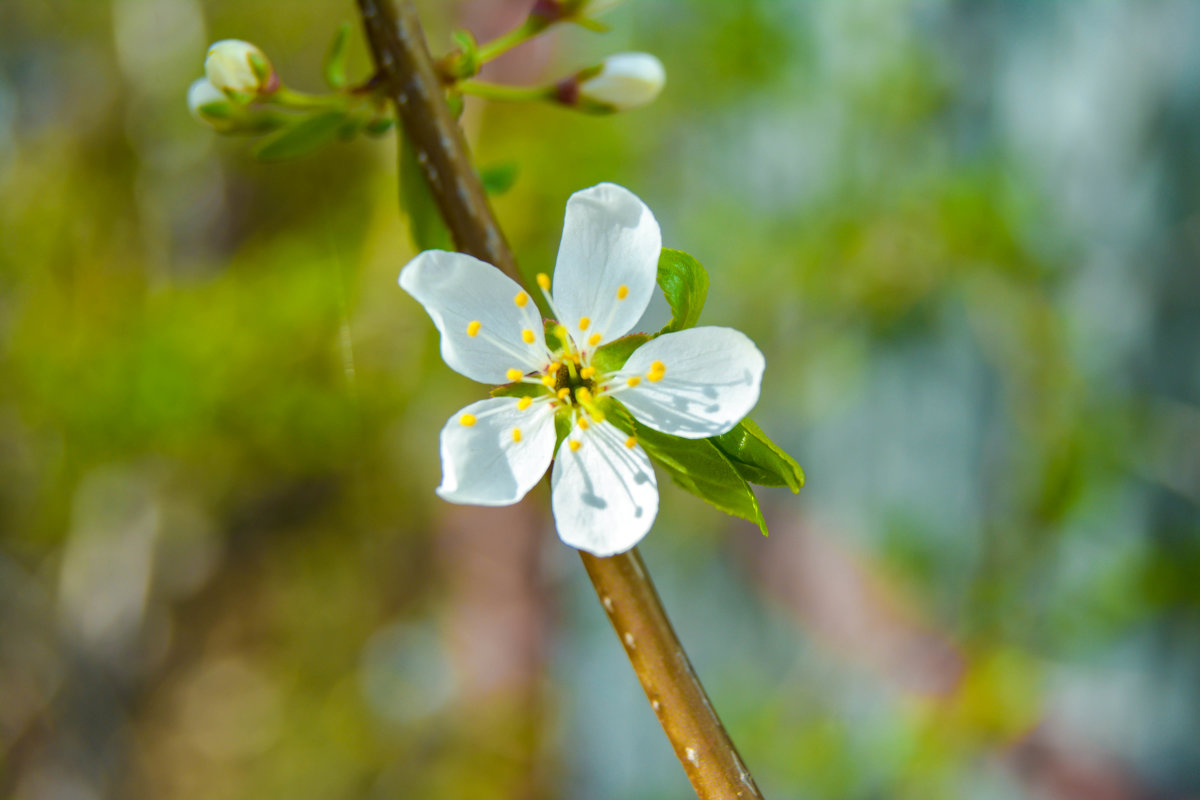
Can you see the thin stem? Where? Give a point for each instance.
(290, 98)
(511, 94)
(703, 747)
(497, 47)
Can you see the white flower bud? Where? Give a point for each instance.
(208, 103)
(239, 67)
(623, 81)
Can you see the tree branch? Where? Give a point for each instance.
(703, 747)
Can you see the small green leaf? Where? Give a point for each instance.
(425, 224)
(698, 466)
(335, 58)
(498, 178)
(612, 356)
(685, 285)
(757, 458)
(306, 136)
(517, 390)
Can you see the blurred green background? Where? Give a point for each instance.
(966, 236)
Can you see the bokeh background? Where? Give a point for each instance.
(966, 236)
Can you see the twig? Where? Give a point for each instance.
(703, 747)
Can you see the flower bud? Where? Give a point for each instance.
(622, 82)
(209, 104)
(238, 67)
(555, 10)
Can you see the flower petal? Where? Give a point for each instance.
(603, 493)
(607, 262)
(458, 291)
(709, 381)
(484, 463)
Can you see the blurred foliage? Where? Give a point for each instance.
(963, 233)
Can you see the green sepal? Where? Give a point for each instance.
(553, 341)
(306, 136)
(425, 224)
(334, 68)
(685, 285)
(465, 62)
(517, 390)
(498, 178)
(562, 426)
(612, 356)
(696, 465)
(757, 458)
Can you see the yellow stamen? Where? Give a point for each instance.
(594, 339)
(633, 381)
(622, 292)
(548, 380)
(543, 281)
(584, 322)
(563, 393)
(524, 403)
(583, 423)
(560, 332)
(597, 414)
(587, 372)
(514, 374)
(554, 368)
(657, 370)
(521, 299)
(516, 434)
(573, 444)
(583, 394)
(630, 442)
(473, 328)
(527, 335)
(467, 420)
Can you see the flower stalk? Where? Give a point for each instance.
(622, 583)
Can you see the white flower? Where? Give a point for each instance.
(695, 383)
(625, 81)
(208, 103)
(239, 67)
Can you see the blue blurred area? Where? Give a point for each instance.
(965, 235)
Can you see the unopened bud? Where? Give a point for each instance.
(239, 67)
(209, 104)
(555, 10)
(622, 82)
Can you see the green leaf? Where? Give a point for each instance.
(498, 178)
(685, 285)
(425, 224)
(698, 466)
(306, 136)
(612, 356)
(335, 58)
(757, 458)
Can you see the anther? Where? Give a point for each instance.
(594, 339)
(516, 434)
(657, 370)
(524, 403)
(597, 414)
(554, 368)
(622, 292)
(587, 372)
(630, 442)
(473, 328)
(560, 332)
(563, 393)
(633, 380)
(521, 299)
(548, 380)
(573, 444)
(467, 420)
(583, 423)
(583, 394)
(527, 336)
(543, 280)
(514, 374)
(584, 322)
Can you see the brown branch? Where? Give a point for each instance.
(703, 747)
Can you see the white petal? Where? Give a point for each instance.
(712, 380)
(457, 290)
(610, 240)
(604, 494)
(483, 464)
